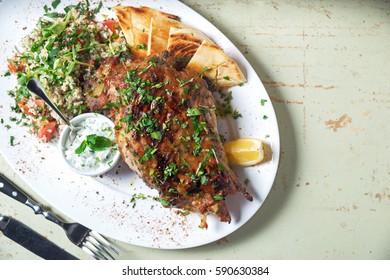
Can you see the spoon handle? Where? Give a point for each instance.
(34, 86)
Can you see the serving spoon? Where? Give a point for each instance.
(35, 87)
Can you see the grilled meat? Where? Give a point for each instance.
(166, 130)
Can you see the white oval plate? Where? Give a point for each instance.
(105, 203)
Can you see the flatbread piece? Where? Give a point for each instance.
(135, 24)
(159, 30)
(184, 42)
(212, 62)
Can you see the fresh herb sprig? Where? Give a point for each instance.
(95, 143)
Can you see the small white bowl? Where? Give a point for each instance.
(64, 143)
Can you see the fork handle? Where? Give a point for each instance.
(10, 189)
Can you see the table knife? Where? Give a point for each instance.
(31, 240)
(24, 235)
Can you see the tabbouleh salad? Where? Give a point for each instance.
(62, 52)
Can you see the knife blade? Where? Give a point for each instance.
(32, 240)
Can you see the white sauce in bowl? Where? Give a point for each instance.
(90, 162)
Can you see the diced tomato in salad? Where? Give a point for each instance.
(26, 110)
(16, 68)
(47, 130)
(40, 103)
(12, 67)
(110, 24)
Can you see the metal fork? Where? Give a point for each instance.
(90, 241)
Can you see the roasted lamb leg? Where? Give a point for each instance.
(166, 130)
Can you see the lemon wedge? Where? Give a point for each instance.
(244, 151)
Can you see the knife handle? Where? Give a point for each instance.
(11, 190)
(32, 240)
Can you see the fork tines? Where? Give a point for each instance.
(98, 247)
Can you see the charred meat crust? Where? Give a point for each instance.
(166, 130)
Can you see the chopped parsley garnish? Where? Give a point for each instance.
(147, 123)
(149, 153)
(262, 102)
(172, 190)
(55, 3)
(156, 135)
(142, 46)
(163, 202)
(135, 197)
(12, 140)
(170, 170)
(112, 105)
(205, 69)
(204, 180)
(192, 112)
(184, 213)
(97, 9)
(183, 83)
(224, 106)
(236, 115)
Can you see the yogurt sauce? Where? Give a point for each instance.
(89, 160)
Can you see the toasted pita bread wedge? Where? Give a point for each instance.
(159, 30)
(184, 42)
(213, 63)
(135, 24)
(146, 30)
